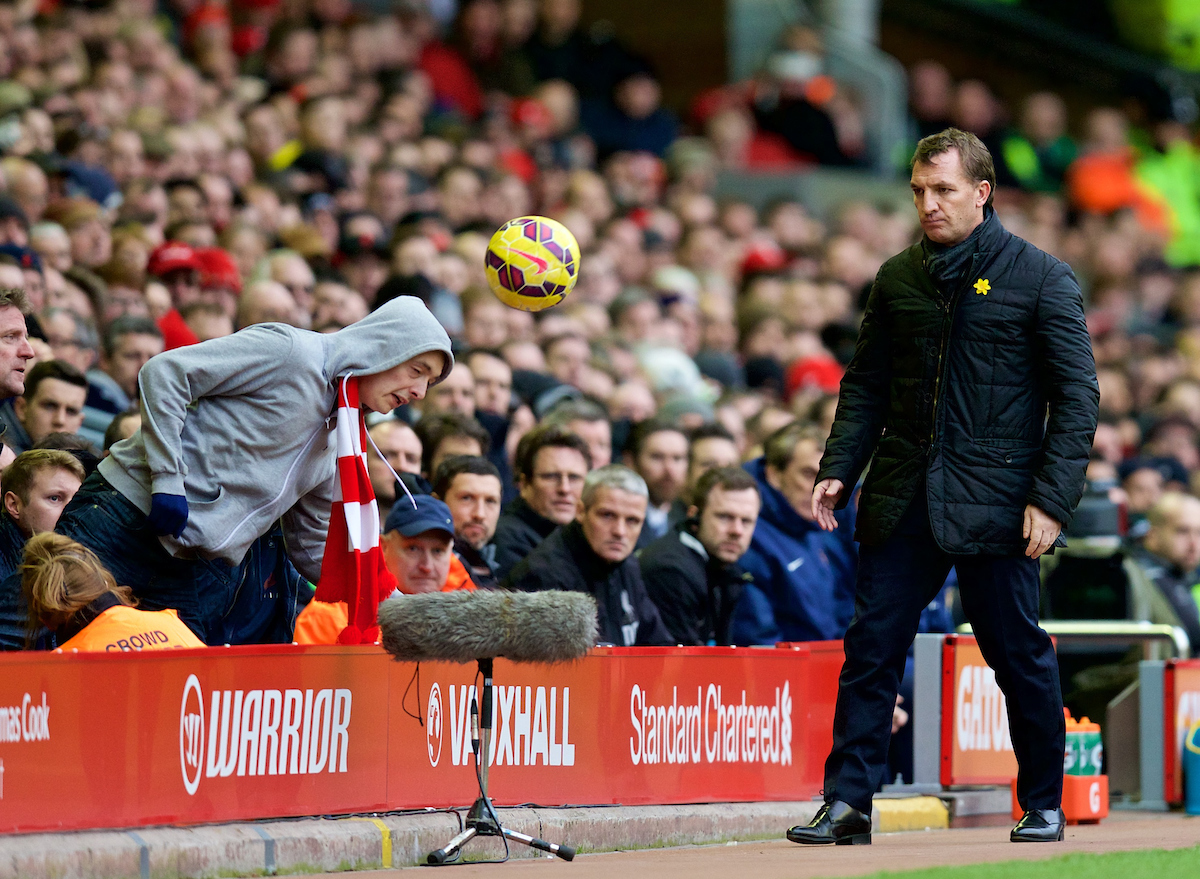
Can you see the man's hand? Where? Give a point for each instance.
(1041, 530)
(825, 498)
(168, 514)
(899, 716)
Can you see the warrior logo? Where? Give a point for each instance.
(191, 734)
(433, 728)
(262, 732)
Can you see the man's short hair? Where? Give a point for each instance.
(96, 290)
(112, 435)
(780, 446)
(563, 337)
(574, 409)
(388, 420)
(473, 297)
(616, 476)
(15, 296)
(432, 429)
(443, 175)
(85, 335)
(976, 160)
(171, 185)
(627, 299)
(486, 352)
(643, 430)
(724, 478)
(67, 442)
(20, 474)
(207, 309)
(78, 447)
(1162, 514)
(547, 436)
(456, 465)
(1165, 425)
(57, 369)
(128, 325)
(708, 430)
(311, 103)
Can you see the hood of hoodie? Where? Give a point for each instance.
(775, 507)
(371, 345)
(241, 427)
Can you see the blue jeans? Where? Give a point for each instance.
(252, 602)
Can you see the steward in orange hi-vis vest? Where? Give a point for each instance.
(118, 627)
(68, 591)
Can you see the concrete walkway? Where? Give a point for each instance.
(780, 859)
(395, 840)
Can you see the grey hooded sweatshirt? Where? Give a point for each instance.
(244, 427)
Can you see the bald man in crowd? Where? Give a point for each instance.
(267, 302)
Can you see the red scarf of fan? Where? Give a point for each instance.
(353, 570)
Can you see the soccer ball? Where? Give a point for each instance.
(532, 263)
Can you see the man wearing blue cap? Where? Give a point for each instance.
(418, 549)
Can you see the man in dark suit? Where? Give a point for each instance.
(974, 387)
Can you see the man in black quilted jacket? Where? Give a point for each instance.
(973, 395)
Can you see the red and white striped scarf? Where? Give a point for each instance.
(353, 569)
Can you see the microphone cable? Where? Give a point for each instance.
(418, 717)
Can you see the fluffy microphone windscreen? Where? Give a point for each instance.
(465, 626)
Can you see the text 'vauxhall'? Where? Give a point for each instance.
(530, 727)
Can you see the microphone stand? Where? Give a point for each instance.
(482, 819)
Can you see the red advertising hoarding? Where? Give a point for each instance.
(193, 736)
(976, 744)
(1181, 708)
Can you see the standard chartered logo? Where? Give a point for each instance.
(710, 729)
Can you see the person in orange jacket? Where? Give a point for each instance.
(418, 549)
(69, 592)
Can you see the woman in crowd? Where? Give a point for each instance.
(70, 593)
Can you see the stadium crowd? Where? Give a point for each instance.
(176, 173)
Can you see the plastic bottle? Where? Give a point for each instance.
(1084, 751)
(1191, 770)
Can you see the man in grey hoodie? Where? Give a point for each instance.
(236, 461)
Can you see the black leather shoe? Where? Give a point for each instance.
(837, 823)
(1040, 825)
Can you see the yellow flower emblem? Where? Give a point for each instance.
(982, 286)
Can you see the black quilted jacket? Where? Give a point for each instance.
(990, 389)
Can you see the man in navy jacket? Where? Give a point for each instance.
(973, 394)
(802, 585)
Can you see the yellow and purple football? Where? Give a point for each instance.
(532, 263)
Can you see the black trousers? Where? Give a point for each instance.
(1000, 597)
